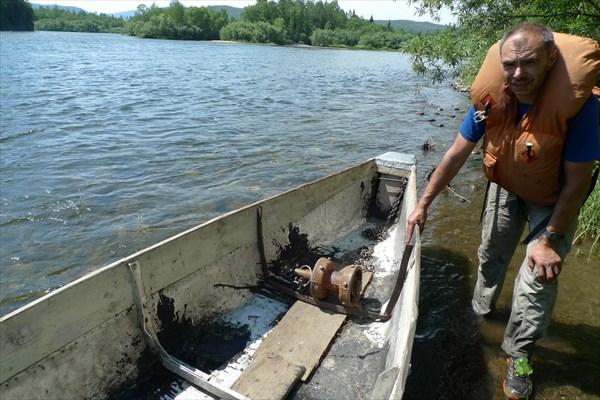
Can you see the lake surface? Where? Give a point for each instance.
(110, 143)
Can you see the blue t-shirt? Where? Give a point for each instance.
(582, 141)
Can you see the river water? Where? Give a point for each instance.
(110, 143)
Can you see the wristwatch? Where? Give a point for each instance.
(553, 237)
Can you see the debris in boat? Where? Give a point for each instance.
(362, 256)
(366, 259)
(374, 233)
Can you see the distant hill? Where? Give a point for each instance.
(413, 26)
(52, 6)
(125, 14)
(233, 12)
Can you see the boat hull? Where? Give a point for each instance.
(85, 339)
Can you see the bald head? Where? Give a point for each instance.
(527, 53)
(537, 31)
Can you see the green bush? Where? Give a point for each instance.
(382, 40)
(253, 32)
(589, 220)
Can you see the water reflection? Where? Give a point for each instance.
(447, 356)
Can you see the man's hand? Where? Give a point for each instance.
(544, 256)
(417, 217)
(546, 260)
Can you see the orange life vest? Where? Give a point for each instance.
(526, 159)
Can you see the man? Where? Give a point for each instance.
(532, 99)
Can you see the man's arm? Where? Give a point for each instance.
(451, 163)
(577, 181)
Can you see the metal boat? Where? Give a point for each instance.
(312, 293)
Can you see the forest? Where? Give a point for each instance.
(283, 22)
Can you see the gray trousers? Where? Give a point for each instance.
(504, 220)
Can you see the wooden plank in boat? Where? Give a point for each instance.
(301, 337)
(274, 384)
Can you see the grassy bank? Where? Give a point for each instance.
(589, 221)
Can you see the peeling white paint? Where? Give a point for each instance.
(377, 333)
(384, 256)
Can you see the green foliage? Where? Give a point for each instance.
(522, 367)
(480, 23)
(268, 21)
(254, 32)
(16, 15)
(444, 55)
(321, 23)
(56, 19)
(262, 11)
(337, 38)
(589, 219)
(383, 40)
(297, 18)
(177, 22)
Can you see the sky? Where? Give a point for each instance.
(379, 9)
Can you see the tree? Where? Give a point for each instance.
(458, 51)
(56, 19)
(16, 15)
(177, 22)
(263, 10)
(176, 13)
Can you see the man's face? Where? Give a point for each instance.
(525, 61)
